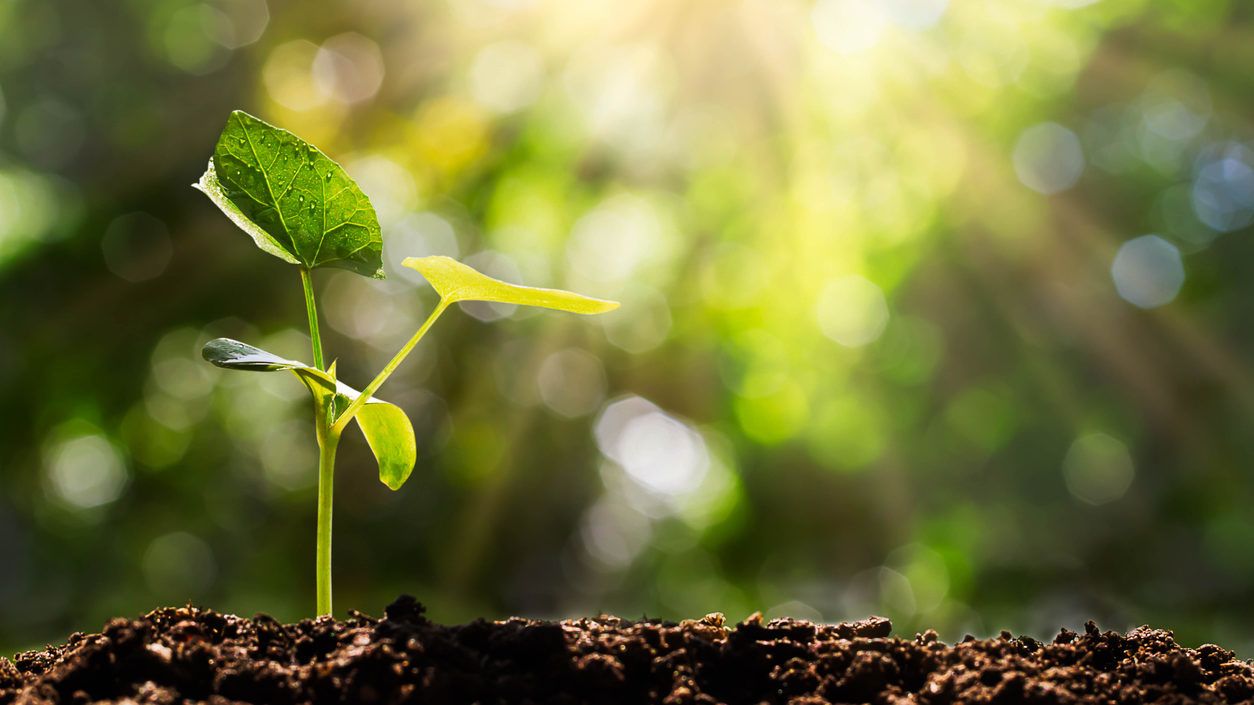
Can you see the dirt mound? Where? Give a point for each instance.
(189, 655)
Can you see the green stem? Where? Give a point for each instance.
(328, 441)
(327, 445)
(312, 309)
(340, 422)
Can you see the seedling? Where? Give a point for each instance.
(297, 204)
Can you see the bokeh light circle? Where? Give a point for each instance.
(1048, 158)
(1148, 271)
(1098, 469)
(852, 311)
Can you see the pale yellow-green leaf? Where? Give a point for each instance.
(455, 281)
(391, 437)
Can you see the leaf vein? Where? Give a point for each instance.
(275, 204)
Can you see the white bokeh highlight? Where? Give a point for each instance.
(614, 241)
(239, 22)
(658, 452)
(85, 471)
(852, 311)
(348, 68)
(1223, 188)
(1048, 158)
(1148, 271)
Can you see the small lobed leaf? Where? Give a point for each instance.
(387, 429)
(295, 202)
(455, 281)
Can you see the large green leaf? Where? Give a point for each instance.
(294, 201)
(455, 281)
(387, 429)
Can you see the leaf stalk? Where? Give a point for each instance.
(342, 420)
(311, 308)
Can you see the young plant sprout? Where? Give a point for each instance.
(300, 206)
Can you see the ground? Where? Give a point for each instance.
(188, 655)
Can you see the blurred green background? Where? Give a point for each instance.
(937, 310)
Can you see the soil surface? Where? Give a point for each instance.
(189, 655)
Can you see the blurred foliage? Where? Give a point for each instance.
(895, 336)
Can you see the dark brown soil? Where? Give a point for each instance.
(188, 655)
